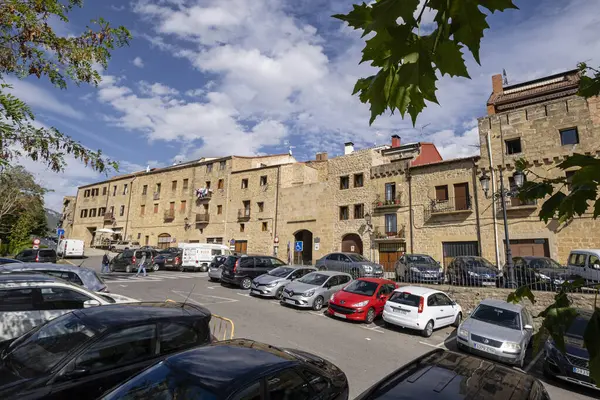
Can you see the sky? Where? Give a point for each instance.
(209, 78)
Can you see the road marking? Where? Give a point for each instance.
(319, 314)
(123, 285)
(243, 294)
(188, 296)
(212, 287)
(374, 329)
(534, 361)
(429, 344)
(367, 338)
(68, 262)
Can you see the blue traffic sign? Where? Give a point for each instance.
(298, 246)
(60, 232)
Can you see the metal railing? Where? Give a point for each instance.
(382, 233)
(108, 216)
(516, 203)
(202, 218)
(389, 203)
(169, 215)
(243, 214)
(452, 204)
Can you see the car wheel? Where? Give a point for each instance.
(458, 320)
(521, 362)
(128, 269)
(279, 293)
(180, 268)
(112, 249)
(246, 283)
(318, 303)
(322, 268)
(428, 331)
(212, 279)
(155, 267)
(370, 316)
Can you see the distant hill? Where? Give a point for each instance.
(52, 218)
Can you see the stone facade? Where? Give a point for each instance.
(68, 215)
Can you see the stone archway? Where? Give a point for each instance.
(164, 241)
(305, 257)
(352, 243)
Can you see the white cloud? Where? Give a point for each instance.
(157, 89)
(138, 62)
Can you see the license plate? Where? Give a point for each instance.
(400, 311)
(489, 283)
(484, 348)
(290, 301)
(339, 315)
(581, 371)
(255, 291)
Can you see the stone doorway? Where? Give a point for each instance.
(352, 243)
(305, 257)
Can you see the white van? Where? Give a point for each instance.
(70, 248)
(585, 263)
(197, 256)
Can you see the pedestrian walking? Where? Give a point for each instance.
(142, 265)
(105, 264)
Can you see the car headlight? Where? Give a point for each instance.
(308, 293)
(511, 346)
(368, 268)
(361, 304)
(463, 333)
(542, 276)
(332, 298)
(471, 273)
(272, 284)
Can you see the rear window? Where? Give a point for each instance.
(405, 298)
(128, 253)
(230, 262)
(27, 253)
(47, 253)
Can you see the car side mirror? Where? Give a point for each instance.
(91, 303)
(528, 327)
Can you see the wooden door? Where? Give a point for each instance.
(389, 253)
(241, 246)
(461, 196)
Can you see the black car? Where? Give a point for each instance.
(37, 255)
(419, 268)
(442, 374)
(168, 259)
(241, 270)
(4, 260)
(82, 354)
(472, 271)
(540, 273)
(237, 369)
(128, 260)
(574, 364)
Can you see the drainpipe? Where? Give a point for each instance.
(276, 210)
(128, 207)
(410, 209)
(477, 216)
(494, 216)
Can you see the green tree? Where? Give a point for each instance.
(30, 47)
(20, 233)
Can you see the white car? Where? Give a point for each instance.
(585, 263)
(421, 308)
(28, 300)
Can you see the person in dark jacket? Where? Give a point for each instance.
(105, 262)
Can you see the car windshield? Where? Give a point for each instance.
(314, 278)
(281, 272)
(578, 327)
(418, 259)
(363, 288)
(479, 265)
(539, 263)
(160, 382)
(47, 345)
(405, 298)
(91, 279)
(357, 258)
(107, 298)
(497, 316)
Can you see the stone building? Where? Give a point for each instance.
(67, 215)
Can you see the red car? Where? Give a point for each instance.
(362, 299)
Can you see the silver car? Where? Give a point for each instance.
(271, 284)
(497, 330)
(315, 289)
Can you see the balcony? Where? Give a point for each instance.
(243, 214)
(393, 202)
(169, 215)
(202, 218)
(156, 196)
(452, 205)
(515, 206)
(382, 234)
(202, 197)
(108, 217)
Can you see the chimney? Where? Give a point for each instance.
(348, 148)
(395, 141)
(497, 84)
(322, 156)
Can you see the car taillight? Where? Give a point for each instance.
(237, 264)
(133, 259)
(421, 304)
(176, 260)
(37, 258)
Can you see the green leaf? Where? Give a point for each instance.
(468, 24)
(550, 206)
(359, 18)
(591, 340)
(498, 5)
(448, 59)
(521, 293)
(557, 321)
(578, 160)
(535, 190)
(589, 87)
(386, 12)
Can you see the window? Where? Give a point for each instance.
(174, 185)
(219, 209)
(358, 180)
(86, 193)
(55, 298)
(569, 136)
(139, 236)
(144, 190)
(222, 165)
(252, 392)
(146, 240)
(359, 211)
(17, 299)
(569, 176)
(242, 227)
(142, 210)
(209, 167)
(220, 184)
(263, 180)
(125, 187)
(122, 211)
(594, 262)
(391, 223)
(261, 206)
(155, 208)
(83, 214)
(287, 385)
(185, 184)
(114, 190)
(390, 191)
(101, 211)
(265, 227)
(120, 348)
(207, 185)
(182, 206)
(104, 191)
(513, 146)
(92, 212)
(112, 210)
(205, 207)
(95, 192)
(318, 382)
(344, 182)
(175, 336)
(344, 213)
(158, 186)
(441, 193)
(244, 183)
(442, 300)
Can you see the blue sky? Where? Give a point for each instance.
(206, 78)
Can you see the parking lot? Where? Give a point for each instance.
(366, 353)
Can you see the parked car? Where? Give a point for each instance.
(81, 276)
(70, 248)
(585, 263)
(84, 353)
(37, 255)
(240, 270)
(419, 268)
(4, 260)
(540, 273)
(168, 259)
(124, 245)
(498, 330)
(315, 289)
(272, 283)
(574, 364)
(422, 309)
(445, 375)
(237, 369)
(128, 259)
(472, 271)
(361, 300)
(29, 299)
(215, 268)
(351, 263)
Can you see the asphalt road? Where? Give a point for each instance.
(366, 353)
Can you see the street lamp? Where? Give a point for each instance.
(519, 179)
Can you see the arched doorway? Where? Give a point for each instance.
(352, 243)
(305, 257)
(164, 241)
